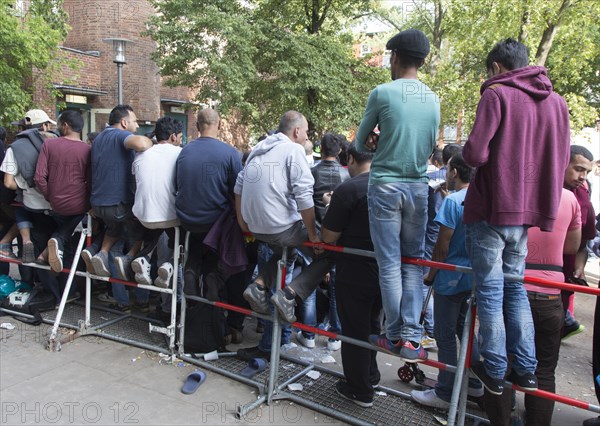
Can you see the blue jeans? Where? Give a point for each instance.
(397, 219)
(264, 254)
(495, 250)
(453, 310)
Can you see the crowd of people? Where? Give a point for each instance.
(491, 205)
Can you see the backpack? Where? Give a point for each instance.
(206, 325)
(32, 303)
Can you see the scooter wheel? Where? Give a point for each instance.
(405, 374)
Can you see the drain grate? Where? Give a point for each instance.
(287, 369)
(135, 330)
(73, 313)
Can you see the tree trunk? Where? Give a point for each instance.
(545, 45)
(525, 18)
(311, 98)
(440, 142)
(437, 37)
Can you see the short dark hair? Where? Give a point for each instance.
(2, 134)
(510, 53)
(118, 113)
(449, 151)
(73, 119)
(331, 144)
(580, 150)
(343, 156)
(465, 172)
(91, 136)
(436, 156)
(410, 61)
(166, 126)
(359, 157)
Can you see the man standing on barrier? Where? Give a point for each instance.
(518, 117)
(274, 201)
(408, 115)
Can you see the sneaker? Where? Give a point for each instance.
(6, 251)
(526, 381)
(28, 253)
(106, 298)
(410, 353)
(334, 345)
(494, 386)
(141, 267)
(284, 306)
(430, 399)
(256, 296)
(100, 264)
(246, 354)
(307, 342)
(123, 264)
(142, 307)
(235, 336)
(342, 389)
(165, 272)
(475, 392)
(120, 308)
(572, 330)
(428, 342)
(592, 422)
(381, 341)
(87, 255)
(55, 255)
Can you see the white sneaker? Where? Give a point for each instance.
(305, 341)
(165, 272)
(334, 345)
(104, 297)
(430, 399)
(142, 267)
(428, 342)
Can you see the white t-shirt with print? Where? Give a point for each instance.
(32, 197)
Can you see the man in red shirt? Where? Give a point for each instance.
(63, 176)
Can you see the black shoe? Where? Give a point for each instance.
(246, 354)
(527, 381)
(342, 389)
(592, 422)
(494, 386)
(571, 330)
(120, 308)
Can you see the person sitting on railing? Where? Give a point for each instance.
(452, 289)
(273, 196)
(357, 281)
(63, 176)
(154, 203)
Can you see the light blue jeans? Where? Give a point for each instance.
(505, 321)
(397, 219)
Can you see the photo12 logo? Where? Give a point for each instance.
(69, 412)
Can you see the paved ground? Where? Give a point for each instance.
(97, 381)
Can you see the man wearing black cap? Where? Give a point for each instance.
(408, 115)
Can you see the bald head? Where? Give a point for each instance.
(208, 122)
(294, 125)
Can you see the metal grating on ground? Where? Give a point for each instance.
(135, 330)
(287, 369)
(386, 410)
(73, 313)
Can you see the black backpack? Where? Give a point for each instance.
(40, 300)
(206, 325)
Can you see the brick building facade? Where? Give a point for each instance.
(92, 88)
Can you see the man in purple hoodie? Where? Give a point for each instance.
(518, 117)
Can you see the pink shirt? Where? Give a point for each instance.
(546, 248)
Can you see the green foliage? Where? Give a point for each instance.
(264, 57)
(29, 40)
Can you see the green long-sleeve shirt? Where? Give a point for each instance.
(408, 115)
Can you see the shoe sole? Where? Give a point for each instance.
(140, 276)
(282, 310)
(307, 343)
(87, 259)
(28, 253)
(56, 263)
(357, 402)
(121, 269)
(164, 278)
(256, 307)
(492, 391)
(99, 267)
(438, 405)
(580, 330)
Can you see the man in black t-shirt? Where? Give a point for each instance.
(358, 296)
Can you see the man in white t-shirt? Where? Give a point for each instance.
(154, 204)
(19, 169)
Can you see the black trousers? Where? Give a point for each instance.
(358, 306)
(596, 348)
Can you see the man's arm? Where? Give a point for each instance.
(9, 181)
(487, 119)
(329, 236)
(572, 241)
(138, 143)
(368, 123)
(580, 260)
(440, 250)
